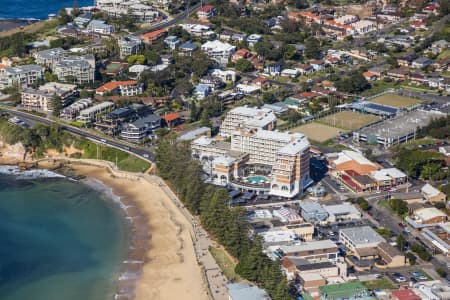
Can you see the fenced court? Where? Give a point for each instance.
(348, 120)
(394, 100)
(318, 132)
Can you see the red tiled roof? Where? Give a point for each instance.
(109, 86)
(405, 295)
(154, 34)
(206, 8)
(369, 74)
(171, 117)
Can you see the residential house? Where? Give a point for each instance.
(153, 36)
(91, 114)
(112, 122)
(100, 27)
(82, 20)
(172, 120)
(293, 73)
(317, 64)
(187, 48)
(430, 215)
(205, 12)
(406, 60)
(398, 74)
(172, 42)
(219, 51)
(252, 39)
(369, 76)
(305, 69)
(421, 62)
(123, 88)
(201, 91)
(417, 78)
(241, 54)
(135, 71)
(274, 69)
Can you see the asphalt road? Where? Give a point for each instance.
(144, 154)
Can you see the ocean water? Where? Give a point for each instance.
(38, 9)
(59, 239)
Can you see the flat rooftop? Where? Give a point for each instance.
(402, 125)
(362, 235)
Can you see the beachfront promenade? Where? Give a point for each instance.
(213, 278)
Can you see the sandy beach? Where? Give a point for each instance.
(161, 239)
(171, 269)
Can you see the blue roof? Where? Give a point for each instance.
(202, 88)
(380, 108)
(243, 291)
(188, 46)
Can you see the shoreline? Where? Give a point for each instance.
(160, 262)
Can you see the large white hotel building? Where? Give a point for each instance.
(258, 158)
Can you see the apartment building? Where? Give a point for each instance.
(324, 250)
(71, 112)
(137, 10)
(129, 45)
(90, 114)
(23, 76)
(43, 97)
(219, 51)
(100, 27)
(359, 237)
(49, 57)
(140, 129)
(256, 118)
(76, 69)
(123, 88)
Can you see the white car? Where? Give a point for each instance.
(400, 279)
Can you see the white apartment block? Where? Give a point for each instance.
(278, 161)
(71, 112)
(76, 69)
(219, 51)
(90, 114)
(364, 26)
(23, 76)
(42, 98)
(129, 45)
(257, 118)
(123, 88)
(136, 9)
(49, 57)
(347, 19)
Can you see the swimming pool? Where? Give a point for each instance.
(256, 179)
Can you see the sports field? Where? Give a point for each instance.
(349, 120)
(395, 100)
(318, 132)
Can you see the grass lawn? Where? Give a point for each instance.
(419, 89)
(379, 86)
(348, 120)
(444, 54)
(318, 132)
(380, 284)
(133, 164)
(395, 100)
(225, 263)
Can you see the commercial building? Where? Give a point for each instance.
(243, 291)
(324, 250)
(432, 290)
(313, 212)
(397, 130)
(123, 88)
(91, 114)
(22, 76)
(438, 238)
(129, 45)
(278, 237)
(405, 294)
(49, 57)
(351, 160)
(359, 237)
(256, 118)
(43, 97)
(342, 212)
(219, 51)
(432, 194)
(76, 69)
(429, 215)
(257, 160)
(304, 231)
